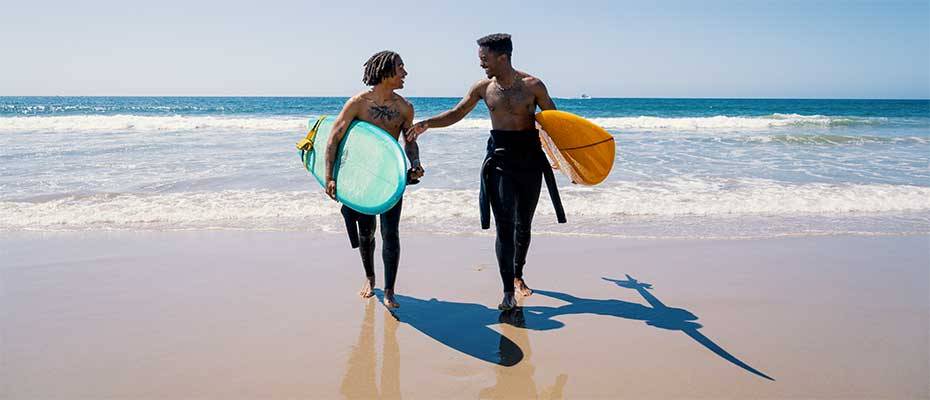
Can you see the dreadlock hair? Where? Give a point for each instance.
(379, 67)
(498, 43)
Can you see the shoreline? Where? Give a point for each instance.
(412, 231)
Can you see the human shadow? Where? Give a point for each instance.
(462, 326)
(658, 315)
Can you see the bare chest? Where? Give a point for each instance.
(387, 117)
(516, 101)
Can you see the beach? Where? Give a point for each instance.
(176, 247)
(246, 314)
(738, 204)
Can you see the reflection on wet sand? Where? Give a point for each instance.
(359, 379)
(466, 327)
(517, 381)
(390, 359)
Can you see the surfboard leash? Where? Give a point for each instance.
(305, 145)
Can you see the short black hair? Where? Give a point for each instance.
(499, 43)
(379, 67)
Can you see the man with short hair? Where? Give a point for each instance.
(515, 163)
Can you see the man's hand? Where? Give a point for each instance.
(416, 172)
(416, 130)
(331, 188)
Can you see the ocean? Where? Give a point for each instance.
(685, 168)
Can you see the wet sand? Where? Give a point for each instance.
(276, 315)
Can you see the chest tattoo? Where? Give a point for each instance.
(384, 113)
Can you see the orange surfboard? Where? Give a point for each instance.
(580, 149)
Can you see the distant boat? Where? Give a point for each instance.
(584, 96)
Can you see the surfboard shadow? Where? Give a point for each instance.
(464, 327)
(658, 315)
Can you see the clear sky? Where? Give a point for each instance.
(794, 49)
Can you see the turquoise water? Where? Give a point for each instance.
(685, 167)
(301, 106)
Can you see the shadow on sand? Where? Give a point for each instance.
(466, 326)
(462, 326)
(658, 315)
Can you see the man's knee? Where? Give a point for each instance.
(505, 231)
(522, 229)
(390, 235)
(366, 239)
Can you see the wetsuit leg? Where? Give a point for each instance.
(390, 238)
(526, 196)
(501, 200)
(366, 242)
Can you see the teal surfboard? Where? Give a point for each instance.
(371, 168)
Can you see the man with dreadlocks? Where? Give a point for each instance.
(515, 164)
(380, 106)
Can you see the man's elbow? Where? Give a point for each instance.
(461, 114)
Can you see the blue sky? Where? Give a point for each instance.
(794, 49)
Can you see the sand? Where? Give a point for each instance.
(230, 315)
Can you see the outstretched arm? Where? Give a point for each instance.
(452, 116)
(348, 113)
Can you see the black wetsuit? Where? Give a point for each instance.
(511, 179)
(363, 237)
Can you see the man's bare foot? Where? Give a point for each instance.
(520, 285)
(369, 289)
(508, 303)
(389, 300)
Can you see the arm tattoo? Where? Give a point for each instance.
(331, 151)
(383, 112)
